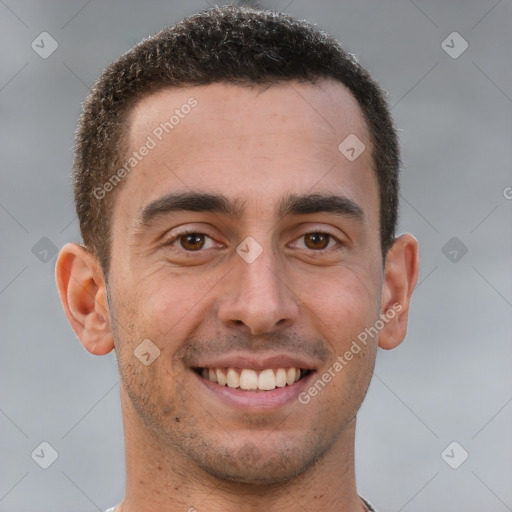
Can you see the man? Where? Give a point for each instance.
(236, 182)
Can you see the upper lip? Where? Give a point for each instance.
(255, 361)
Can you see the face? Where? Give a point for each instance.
(246, 248)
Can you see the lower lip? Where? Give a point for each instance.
(254, 400)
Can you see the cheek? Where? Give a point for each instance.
(343, 307)
(344, 303)
(167, 304)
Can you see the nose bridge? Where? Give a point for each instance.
(260, 275)
(257, 295)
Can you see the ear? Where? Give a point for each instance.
(400, 277)
(83, 294)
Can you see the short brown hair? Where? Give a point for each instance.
(237, 45)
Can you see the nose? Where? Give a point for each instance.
(258, 298)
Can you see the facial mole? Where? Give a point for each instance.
(177, 419)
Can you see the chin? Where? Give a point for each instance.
(255, 466)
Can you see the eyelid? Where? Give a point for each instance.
(188, 231)
(308, 228)
(339, 242)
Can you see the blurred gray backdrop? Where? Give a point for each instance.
(434, 433)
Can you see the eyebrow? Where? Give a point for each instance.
(218, 203)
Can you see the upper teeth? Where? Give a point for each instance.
(250, 379)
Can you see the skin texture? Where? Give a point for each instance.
(185, 447)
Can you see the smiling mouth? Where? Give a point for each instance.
(255, 380)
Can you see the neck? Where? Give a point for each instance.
(160, 477)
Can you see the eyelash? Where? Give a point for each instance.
(178, 236)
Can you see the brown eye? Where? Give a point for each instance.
(192, 241)
(317, 241)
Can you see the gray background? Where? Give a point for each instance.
(449, 381)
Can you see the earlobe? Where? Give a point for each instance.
(400, 278)
(83, 295)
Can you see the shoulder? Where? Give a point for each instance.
(370, 508)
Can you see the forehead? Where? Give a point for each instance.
(317, 111)
(253, 143)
